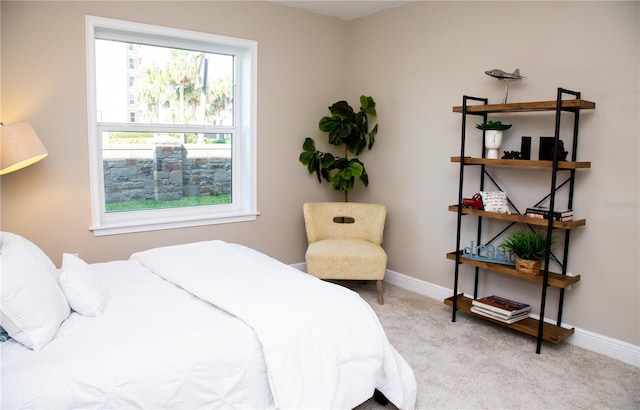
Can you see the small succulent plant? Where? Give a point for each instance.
(493, 125)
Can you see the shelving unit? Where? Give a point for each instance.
(537, 328)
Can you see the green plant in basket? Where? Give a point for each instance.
(528, 245)
(530, 248)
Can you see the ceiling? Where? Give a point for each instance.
(345, 9)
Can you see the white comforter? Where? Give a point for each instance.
(323, 345)
(155, 346)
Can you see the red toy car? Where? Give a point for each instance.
(474, 202)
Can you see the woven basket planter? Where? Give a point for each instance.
(527, 266)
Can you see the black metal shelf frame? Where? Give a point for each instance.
(551, 196)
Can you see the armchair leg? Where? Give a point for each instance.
(379, 286)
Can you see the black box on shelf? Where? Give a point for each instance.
(525, 148)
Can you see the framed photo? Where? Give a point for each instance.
(545, 152)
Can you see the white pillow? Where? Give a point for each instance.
(82, 286)
(495, 201)
(33, 305)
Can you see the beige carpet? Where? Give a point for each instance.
(472, 364)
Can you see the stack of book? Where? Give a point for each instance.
(500, 309)
(543, 213)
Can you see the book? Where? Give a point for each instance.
(496, 316)
(557, 218)
(502, 306)
(545, 211)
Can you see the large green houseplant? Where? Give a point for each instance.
(347, 128)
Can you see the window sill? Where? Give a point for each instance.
(117, 228)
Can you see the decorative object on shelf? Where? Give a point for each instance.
(475, 202)
(348, 128)
(511, 155)
(495, 201)
(530, 248)
(545, 152)
(493, 125)
(496, 316)
(525, 148)
(504, 76)
(493, 136)
(544, 213)
(497, 308)
(488, 253)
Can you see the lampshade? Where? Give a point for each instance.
(19, 147)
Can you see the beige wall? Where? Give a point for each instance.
(417, 61)
(44, 82)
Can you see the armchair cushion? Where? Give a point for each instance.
(346, 259)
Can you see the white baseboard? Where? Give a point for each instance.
(617, 349)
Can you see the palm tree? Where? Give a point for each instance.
(152, 90)
(182, 74)
(219, 99)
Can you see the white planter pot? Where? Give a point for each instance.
(492, 141)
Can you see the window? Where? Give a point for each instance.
(172, 140)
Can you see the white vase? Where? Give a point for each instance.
(492, 141)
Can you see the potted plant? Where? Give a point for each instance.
(493, 136)
(529, 248)
(347, 128)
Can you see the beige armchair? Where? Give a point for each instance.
(345, 241)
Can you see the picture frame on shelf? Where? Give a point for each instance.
(545, 152)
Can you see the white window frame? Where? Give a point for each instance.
(244, 152)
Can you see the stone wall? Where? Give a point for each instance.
(170, 174)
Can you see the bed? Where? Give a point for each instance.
(202, 325)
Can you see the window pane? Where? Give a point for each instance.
(145, 170)
(169, 128)
(170, 86)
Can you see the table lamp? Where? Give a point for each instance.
(19, 147)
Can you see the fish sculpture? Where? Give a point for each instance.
(504, 76)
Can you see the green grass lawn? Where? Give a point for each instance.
(152, 204)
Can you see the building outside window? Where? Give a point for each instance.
(172, 133)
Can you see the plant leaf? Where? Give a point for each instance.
(309, 144)
(372, 136)
(368, 105)
(342, 108)
(306, 157)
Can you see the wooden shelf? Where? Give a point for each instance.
(567, 105)
(523, 163)
(557, 280)
(520, 218)
(550, 333)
